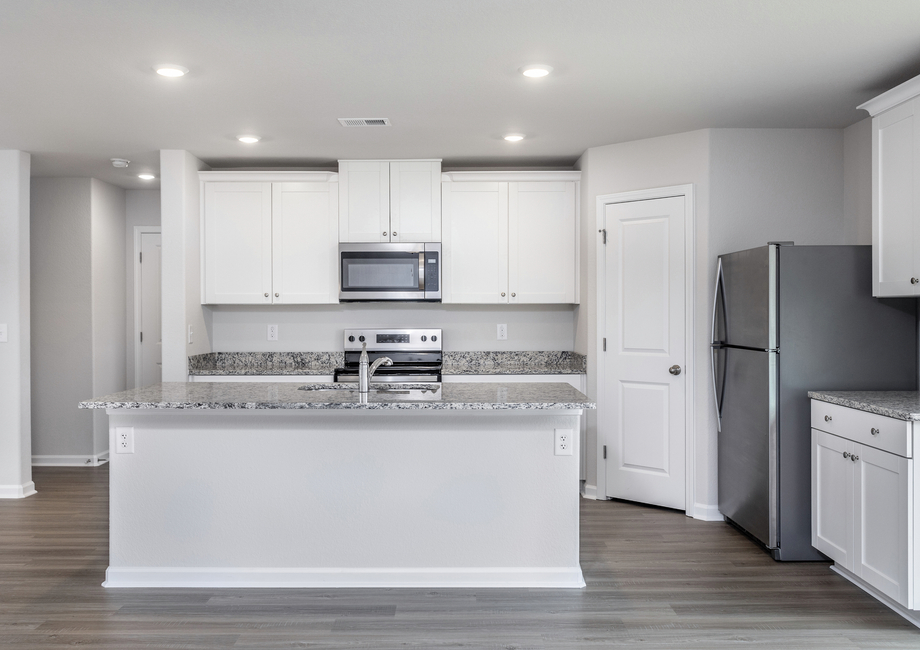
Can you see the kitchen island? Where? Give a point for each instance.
(269, 485)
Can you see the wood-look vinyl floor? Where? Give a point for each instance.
(656, 579)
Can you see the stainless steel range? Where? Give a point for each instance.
(417, 354)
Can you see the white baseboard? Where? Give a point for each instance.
(17, 491)
(70, 461)
(909, 614)
(257, 577)
(589, 491)
(706, 513)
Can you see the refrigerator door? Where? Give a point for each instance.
(747, 442)
(749, 298)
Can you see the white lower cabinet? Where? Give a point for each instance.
(864, 505)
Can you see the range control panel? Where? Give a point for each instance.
(415, 340)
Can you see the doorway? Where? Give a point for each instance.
(148, 343)
(645, 325)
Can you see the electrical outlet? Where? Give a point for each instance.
(124, 440)
(502, 332)
(272, 332)
(190, 335)
(564, 442)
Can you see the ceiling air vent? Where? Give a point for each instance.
(364, 121)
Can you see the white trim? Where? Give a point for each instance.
(510, 176)
(265, 176)
(603, 413)
(17, 491)
(891, 98)
(589, 491)
(71, 460)
(297, 578)
(705, 512)
(909, 614)
(138, 231)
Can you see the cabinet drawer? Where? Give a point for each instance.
(888, 434)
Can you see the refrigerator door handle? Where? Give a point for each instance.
(715, 344)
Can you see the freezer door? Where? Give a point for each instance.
(747, 300)
(747, 442)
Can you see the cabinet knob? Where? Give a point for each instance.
(266, 295)
(854, 457)
(277, 295)
(874, 431)
(394, 233)
(914, 280)
(513, 294)
(384, 234)
(503, 294)
(828, 418)
(846, 454)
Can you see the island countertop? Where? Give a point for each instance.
(899, 404)
(276, 395)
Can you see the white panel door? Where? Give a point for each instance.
(541, 242)
(364, 201)
(237, 243)
(897, 197)
(882, 509)
(415, 201)
(475, 246)
(832, 497)
(645, 323)
(305, 243)
(150, 367)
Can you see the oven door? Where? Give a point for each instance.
(384, 272)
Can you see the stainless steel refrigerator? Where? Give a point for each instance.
(788, 319)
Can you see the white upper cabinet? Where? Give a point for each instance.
(896, 191)
(510, 237)
(269, 242)
(382, 201)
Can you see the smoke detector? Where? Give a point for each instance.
(120, 163)
(364, 121)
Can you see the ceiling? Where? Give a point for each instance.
(77, 85)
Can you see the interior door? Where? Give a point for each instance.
(644, 363)
(150, 368)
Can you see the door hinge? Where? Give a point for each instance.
(605, 451)
(605, 344)
(142, 337)
(603, 231)
(140, 258)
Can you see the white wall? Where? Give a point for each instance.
(318, 328)
(657, 162)
(107, 214)
(15, 313)
(142, 208)
(857, 182)
(179, 213)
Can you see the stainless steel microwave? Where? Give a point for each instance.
(390, 271)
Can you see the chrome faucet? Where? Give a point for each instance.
(366, 371)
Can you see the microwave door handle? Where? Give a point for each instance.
(421, 271)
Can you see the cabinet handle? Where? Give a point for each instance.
(394, 233)
(828, 418)
(503, 294)
(874, 431)
(846, 454)
(854, 457)
(914, 280)
(277, 295)
(384, 234)
(513, 294)
(266, 295)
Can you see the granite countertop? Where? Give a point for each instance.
(278, 395)
(325, 363)
(900, 404)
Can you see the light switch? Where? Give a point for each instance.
(3, 335)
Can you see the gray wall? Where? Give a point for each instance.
(15, 313)
(142, 208)
(78, 306)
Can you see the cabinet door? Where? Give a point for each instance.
(364, 201)
(896, 200)
(305, 243)
(415, 201)
(881, 492)
(832, 497)
(541, 242)
(237, 243)
(475, 242)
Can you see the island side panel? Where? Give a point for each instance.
(320, 498)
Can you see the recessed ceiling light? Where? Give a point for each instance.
(248, 139)
(170, 70)
(514, 137)
(146, 177)
(536, 70)
(121, 163)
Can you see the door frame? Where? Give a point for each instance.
(605, 417)
(135, 342)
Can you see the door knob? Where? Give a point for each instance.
(674, 370)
